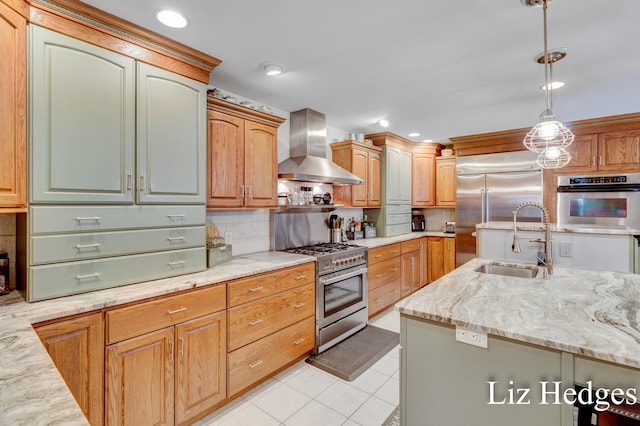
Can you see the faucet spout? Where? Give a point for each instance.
(545, 259)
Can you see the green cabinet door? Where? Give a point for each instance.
(404, 177)
(171, 117)
(82, 109)
(392, 184)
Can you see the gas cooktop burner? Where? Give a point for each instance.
(322, 248)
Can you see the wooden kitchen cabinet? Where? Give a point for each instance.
(446, 181)
(423, 174)
(13, 106)
(424, 261)
(612, 151)
(242, 159)
(76, 347)
(173, 374)
(271, 324)
(385, 277)
(410, 260)
(364, 161)
(441, 257)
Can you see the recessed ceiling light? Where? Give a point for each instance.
(383, 123)
(414, 134)
(427, 140)
(171, 19)
(553, 85)
(272, 69)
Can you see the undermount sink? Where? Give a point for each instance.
(519, 271)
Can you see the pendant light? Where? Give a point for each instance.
(549, 137)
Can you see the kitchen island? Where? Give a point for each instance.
(32, 392)
(578, 326)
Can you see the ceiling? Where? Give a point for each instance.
(441, 68)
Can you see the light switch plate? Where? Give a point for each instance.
(471, 337)
(228, 237)
(565, 249)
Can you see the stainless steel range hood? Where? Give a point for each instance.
(308, 161)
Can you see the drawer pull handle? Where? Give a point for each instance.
(394, 251)
(394, 269)
(299, 305)
(378, 255)
(182, 308)
(171, 349)
(176, 216)
(83, 277)
(256, 322)
(252, 290)
(180, 262)
(300, 340)
(81, 246)
(255, 364)
(175, 238)
(181, 352)
(87, 218)
(378, 276)
(300, 277)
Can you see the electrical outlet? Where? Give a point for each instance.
(471, 337)
(565, 249)
(228, 237)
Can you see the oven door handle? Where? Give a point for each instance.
(359, 271)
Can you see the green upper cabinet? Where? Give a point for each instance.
(104, 127)
(82, 128)
(397, 176)
(171, 148)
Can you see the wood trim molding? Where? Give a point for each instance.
(511, 140)
(85, 22)
(20, 6)
(244, 112)
(391, 139)
(348, 144)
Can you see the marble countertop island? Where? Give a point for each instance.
(578, 229)
(32, 392)
(591, 313)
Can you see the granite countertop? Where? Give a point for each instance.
(590, 313)
(578, 229)
(382, 241)
(32, 392)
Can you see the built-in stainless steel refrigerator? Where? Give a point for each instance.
(488, 188)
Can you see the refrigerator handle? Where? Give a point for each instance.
(488, 203)
(482, 218)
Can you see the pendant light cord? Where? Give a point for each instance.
(546, 56)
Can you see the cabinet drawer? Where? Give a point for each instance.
(69, 247)
(398, 209)
(396, 219)
(258, 319)
(383, 297)
(409, 246)
(141, 318)
(385, 272)
(403, 228)
(62, 279)
(378, 254)
(253, 288)
(61, 219)
(254, 362)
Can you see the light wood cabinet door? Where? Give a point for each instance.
(423, 180)
(260, 165)
(360, 168)
(435, 250)
(410, 272)
(446, 182)
(225, 160)
(424, 261)
(374, 179)
(583, 152)
(82, 121)
(13, 108)
(140, 380)
(619, 151)
(201, 366)
(171, 137)
(449, 256)
(76, 347)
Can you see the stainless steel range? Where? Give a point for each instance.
(341, 291)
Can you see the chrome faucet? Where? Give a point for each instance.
(543, 258)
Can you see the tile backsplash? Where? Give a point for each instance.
(435, 218)
(250, 229)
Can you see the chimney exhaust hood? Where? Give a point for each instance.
(308, 153)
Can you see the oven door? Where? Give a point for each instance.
(615, 208)
(340, 294)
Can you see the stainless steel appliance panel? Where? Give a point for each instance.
(488, 188)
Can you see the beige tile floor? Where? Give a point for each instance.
(303, 395)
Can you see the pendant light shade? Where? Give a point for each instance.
(549, 137)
